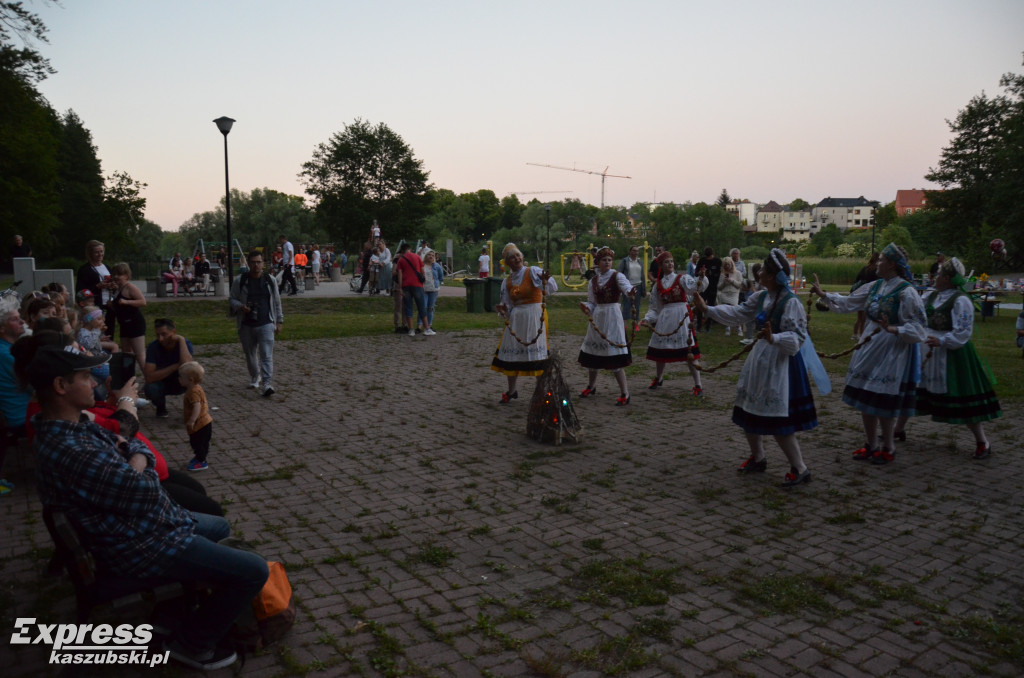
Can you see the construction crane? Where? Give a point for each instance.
(603, 174)
(534, 192)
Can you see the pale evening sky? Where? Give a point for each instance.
(771, 100)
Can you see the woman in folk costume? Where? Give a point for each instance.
(773, 395)
(884, 371)
(524, 344)
(605, 347)
(670, 318)
(955, 388)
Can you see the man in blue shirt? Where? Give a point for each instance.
(163, 358)
(108, 488)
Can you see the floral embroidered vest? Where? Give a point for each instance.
(674, 293)
(886, 305)
(609, 293)
(524, 292)
(941, 318)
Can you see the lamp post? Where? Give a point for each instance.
(224, 125)
(547, 237)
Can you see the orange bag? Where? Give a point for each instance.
(276, 596)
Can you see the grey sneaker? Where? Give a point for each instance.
(268, 391)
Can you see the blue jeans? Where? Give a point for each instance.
(236, 577)
(627, 308)
(413, 294)
(429, 299)
(158, 391)
(258, 346)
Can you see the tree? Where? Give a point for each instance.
(124, 210)
(886, 216)
(981, 171)
(257, 218)
(80, 185)
(723, 199)
(29, 132)
(366, 172)
(799, 205)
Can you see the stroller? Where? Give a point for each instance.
(357, 280)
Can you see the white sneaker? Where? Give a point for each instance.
(412, 333)
(429, 333)
(140, 403)
(255, 384)
(727, 331)
(746, 341)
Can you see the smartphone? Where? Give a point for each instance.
(122, 368)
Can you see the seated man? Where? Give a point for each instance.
(163, 358)
(108, 488)
(203, 273)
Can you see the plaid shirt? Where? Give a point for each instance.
(124, 517)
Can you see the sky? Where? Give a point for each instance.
(769, 100)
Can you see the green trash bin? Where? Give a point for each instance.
(474, 295)
(492, 298)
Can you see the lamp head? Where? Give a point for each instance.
(224, 124)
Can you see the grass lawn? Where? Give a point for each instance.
(207, 322)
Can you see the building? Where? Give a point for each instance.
(844, 212)
(744, 210)
(795, 225)
(909, 201)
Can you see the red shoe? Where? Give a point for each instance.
(622, 400)
(863, 454)
(656, 383)
(505, 397)
(751, 466)
(982, 452)
(587, 392)
(698, 391)
(882, 457)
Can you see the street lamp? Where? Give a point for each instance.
(224, 125)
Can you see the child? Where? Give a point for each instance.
(91, 336)
(198, 421)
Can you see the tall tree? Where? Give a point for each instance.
(29, 133)
(981, 171)
(723, 199)
(367, 172)
(82, 216)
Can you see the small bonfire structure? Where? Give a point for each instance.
(552, 417)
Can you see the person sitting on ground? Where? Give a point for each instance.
(40, 308)
(163, 359)
(107, 486)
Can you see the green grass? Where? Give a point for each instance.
(206, 322)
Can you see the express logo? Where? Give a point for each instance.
(88, 643)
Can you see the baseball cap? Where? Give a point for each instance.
(51, 362)
(83, 295)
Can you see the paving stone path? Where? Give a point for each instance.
(425, 535)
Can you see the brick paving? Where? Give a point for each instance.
(424, 534)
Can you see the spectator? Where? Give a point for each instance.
(174, 272)
(412, 277)
(374, 232)
(275, 260)
(384, 282)
(256, 305)
(188, 276)
(483, 264)
(712, 268)
(653, 269)
(40, 308)
(108, 487)
(434, 276)
(734, 254)
(13, 397)
(20, 248)
(729, 287)
(301, 261)
(691, 265)
(633, 269)
(315, 263)
(90, 334)
(940, 258)
(94, 276)
(203, 273)
(287, 265)
(364, 266)
(164, 357)
(342, 261)
(127, 304)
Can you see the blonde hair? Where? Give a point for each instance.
(122, 268)
(192, 371)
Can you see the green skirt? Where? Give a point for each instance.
(969, 398)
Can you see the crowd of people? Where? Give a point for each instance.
(142, 517)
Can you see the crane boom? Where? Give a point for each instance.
(603, 174)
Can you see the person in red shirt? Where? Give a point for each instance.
(411, 267)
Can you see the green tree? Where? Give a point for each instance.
(901, 236)
(981, 171)
(80, 185)
(366, 172)
(257, 218)
(723, 199)
(29, 131)
(124, 210)
(799, 205)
